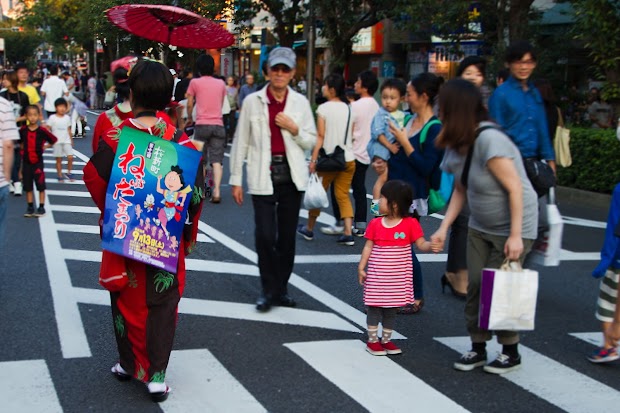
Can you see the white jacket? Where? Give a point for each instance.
(252, 142)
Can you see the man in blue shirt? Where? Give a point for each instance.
(516, 105)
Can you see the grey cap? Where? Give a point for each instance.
(282, 56)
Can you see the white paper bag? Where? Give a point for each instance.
(508, 298)
(315, 196)
(546, 250)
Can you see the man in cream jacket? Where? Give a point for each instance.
(275, 127)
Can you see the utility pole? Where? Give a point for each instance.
(310, 58)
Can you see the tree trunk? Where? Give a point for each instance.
(341, 51)
(518, 19)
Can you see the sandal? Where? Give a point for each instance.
(120, 373)
(156, 394)
(411, 308)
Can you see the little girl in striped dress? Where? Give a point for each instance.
(388, 283)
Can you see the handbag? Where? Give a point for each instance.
(540, 175)
(547, 248)
(561, 143)
(508, 298)
(334, 162)
(315, 196)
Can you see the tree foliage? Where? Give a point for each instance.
(21, 46)
(286, 14)
(598, 26)
(343, 19)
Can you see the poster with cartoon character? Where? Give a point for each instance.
(147, 198)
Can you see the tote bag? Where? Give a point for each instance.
(561, 143)
(508, 298)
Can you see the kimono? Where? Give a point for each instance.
(144, 307)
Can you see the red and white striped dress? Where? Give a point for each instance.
(389, 280)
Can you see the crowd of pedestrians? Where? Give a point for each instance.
(494, 213)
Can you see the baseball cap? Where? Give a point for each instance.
(173, 72)
(282, 56)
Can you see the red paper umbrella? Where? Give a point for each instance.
(170, 25)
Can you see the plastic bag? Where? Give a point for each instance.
(315, 197)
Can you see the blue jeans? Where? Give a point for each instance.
(4, 201)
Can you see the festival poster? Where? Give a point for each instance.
(148, 195)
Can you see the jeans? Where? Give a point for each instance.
(4, 201)
(358, 184)
(17, 162)
(276, 217)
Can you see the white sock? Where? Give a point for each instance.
(157, 387)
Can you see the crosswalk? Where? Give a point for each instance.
(201, 382)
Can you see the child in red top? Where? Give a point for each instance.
(388, 282)
(34, 140)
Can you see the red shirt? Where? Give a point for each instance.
(275, 107)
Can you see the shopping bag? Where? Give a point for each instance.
(508, 298)
(315, 196)
(547, 248)
(561, 144)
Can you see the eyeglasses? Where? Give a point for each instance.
(528, 62)
(281, 68)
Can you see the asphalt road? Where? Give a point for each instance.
(58, 345)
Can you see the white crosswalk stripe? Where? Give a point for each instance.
(348, 366)
(26, 386)
(556, 383)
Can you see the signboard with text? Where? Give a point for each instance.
(150, 189)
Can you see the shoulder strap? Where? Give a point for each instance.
(425, 129)
(560, 118)
(470, 154)
(346, 131)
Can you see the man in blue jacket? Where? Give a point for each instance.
(516, 105)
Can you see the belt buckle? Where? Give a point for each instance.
(277, 158)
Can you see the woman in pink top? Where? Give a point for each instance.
(208, 94)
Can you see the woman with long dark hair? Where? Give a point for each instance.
(417, 162)
(334, 126)
(503, 208)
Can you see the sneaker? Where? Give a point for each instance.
(391, 348)
(346, 240)
(61, 179)
(470, 361)
(29, 212)
(376, 349)
(359, 232)
(18, 188)
(40, 211)
(503, 364)
(70, 177)
(374, 208)
(11, 187)
(332, 230)
(304, 232)
(604, 355)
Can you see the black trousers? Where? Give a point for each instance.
(359, 195)
(276, 217)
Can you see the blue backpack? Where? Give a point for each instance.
(440, 183)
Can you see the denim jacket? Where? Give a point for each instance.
(522, 115)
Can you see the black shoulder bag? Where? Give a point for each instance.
(470, 154)
(334, 162)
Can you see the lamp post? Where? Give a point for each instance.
(310, 58)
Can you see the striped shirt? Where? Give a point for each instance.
(8, 131)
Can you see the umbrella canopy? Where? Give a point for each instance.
(170, 25)
(125, 62)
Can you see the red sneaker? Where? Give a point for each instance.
(376, 349)
(390, 348)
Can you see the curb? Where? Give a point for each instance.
(594, 199)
